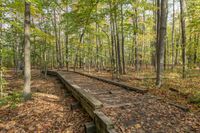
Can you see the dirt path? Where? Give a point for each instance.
(134, 112)
(48, 111)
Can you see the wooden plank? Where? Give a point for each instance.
(103, 123)
(136, 89)
(89, 103)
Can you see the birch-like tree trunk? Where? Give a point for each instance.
(27, 51)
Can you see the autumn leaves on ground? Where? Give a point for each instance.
(48, 111)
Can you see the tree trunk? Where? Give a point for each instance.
(1, 70)
(97, 48)
(59, 48)
(173, 26)
(183, 33)
(154, 43)
(27, 60)
(166, 43)
(196, 48)
(177, 47)
(122, 37)
(112, 41)
(67, 51)
(118, 43)
(56, 40)
(136, 41)
(76, 55)
(158, 31)
(161, 44)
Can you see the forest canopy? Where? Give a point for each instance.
(118, 36)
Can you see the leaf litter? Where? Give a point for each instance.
(48, 111)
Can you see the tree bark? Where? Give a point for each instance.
(112, 41)
(122, 37)
(196, 48)
(1, 70)
(183, 34)
(27, 60)
(58, 58)
(173, 26)
(117, 42)
(161, 44)
(158, 31)
(97, 47)
(136, 41)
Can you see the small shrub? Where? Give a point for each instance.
(12, 100)
(3, 102)
(195, 99)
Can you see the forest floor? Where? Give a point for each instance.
(182, 91)
(133, 112)
(48, 111)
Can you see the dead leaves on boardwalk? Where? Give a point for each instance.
(145, 112)
(152, 117)
(48, 111)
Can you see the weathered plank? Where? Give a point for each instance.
(89, 103)
(90, 127)
(103, 123)
(136, 89)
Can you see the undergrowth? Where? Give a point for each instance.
(195, 99)
(12, 100)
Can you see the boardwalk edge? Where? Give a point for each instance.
(89, 103)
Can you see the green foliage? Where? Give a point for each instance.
(12, 100)
(195, 99)
(194, 15)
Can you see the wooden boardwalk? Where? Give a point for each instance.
(124, 110)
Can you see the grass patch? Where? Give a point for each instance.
(12, 100)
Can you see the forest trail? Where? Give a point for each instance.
(48, 111)
(135, 112)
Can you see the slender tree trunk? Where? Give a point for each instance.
(178, 40)
(136, 41)
(196, 48)
(17, 64)
(173, 26)
(158, 31)
(122, 37)
(27, 60)
(76, 55)
(161, 44)
(118, 44)
(67, 40)
(154, 43)
(112, 41)
(183, 33)
(60, 48)
(45, 55)
(67, 50)
(115, 42)
(143, 54)
(166, 43)
(97, 48)
(56, 40)
(1, 70)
